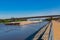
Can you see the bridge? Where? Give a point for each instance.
(48, 31)
(40, 16)
(25, 18)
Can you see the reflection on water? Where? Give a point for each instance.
(11, 32)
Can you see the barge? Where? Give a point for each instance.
(13, 23)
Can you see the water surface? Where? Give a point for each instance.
(12, 32)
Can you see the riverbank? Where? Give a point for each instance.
(21, 23)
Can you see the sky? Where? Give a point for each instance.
(27, 8)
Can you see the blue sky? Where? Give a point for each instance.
(25, 8)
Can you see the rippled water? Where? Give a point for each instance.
(11, 32)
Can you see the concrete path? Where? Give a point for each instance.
(56, 30)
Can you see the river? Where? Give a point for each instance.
(12, 32)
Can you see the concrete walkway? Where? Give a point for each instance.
(56, 30)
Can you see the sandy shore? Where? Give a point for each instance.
(28, 22)
(24, 22)
(56, 30)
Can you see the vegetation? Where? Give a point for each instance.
(10, 20)
(49, 19)
(19, 20)
(5, 21)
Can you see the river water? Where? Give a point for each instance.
(13, 32)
